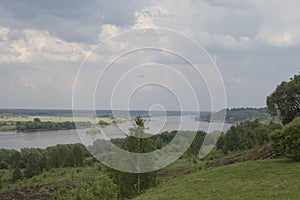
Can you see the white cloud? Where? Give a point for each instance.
(280, 22)
(40, 46)
(108, 30)
(31, 45)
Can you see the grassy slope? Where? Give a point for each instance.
(264, 179)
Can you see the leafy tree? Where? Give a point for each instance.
(102, 123)
(16, 175)
(54, 158)
(69, 160)
(15, 158)
(132, 184)
(197, 143)
(287, 140)
(37, 120)
(285, 100)
(3, 165)
(32, 166)
(245, 135)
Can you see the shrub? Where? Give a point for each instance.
(102, 189)
(287, 140)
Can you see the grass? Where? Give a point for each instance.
(264, 179)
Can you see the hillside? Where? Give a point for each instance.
(264, 179)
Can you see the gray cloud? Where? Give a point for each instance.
(42, 43)
(70, 20)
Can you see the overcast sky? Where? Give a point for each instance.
(255, 44)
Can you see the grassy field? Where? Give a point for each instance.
(264, 179)
(52, 119)
(10, 121)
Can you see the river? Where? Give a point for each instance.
(13, 140)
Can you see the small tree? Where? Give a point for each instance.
(36, 120)
(103, 123)
(132, 184)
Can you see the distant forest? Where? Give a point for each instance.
(236, 115)
(99, 113)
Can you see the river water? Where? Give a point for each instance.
(13, 140)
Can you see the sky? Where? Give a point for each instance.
(255, 45)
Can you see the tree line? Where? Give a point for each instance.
(32, 126)
(33, 161)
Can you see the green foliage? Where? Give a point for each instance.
(197, 143)
(131, 184)
(16, 174)
(32, 165)
(3, 165)
(103, 189)
(36, 120)
(103, 123)
(287, 140)
(285, 100)
(29, 126)
(93, 131)
(236, 115)
(34, 161)
(246, 135)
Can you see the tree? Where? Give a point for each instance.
(103, 123)
(246, 135)
(285, 100)
(77, 151)
(16, 175)
(132, 184)
(15, 158)
(36, 120)
(287, 140)
(32, 166)
(3, 165)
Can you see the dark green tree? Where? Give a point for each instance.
(287, 140)
(15, 158)
(246, 135)
(77, 151)
(54, 158)
(36, 120)
(16, 174)
(69, 160)
(32, 166)
(285, 100)
(132, 184)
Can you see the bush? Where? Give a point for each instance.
(102, 189)
(246, 135)
(16, 175)
(287, 140)
(103, 123)
(3, 165)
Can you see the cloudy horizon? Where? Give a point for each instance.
(255, 45)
